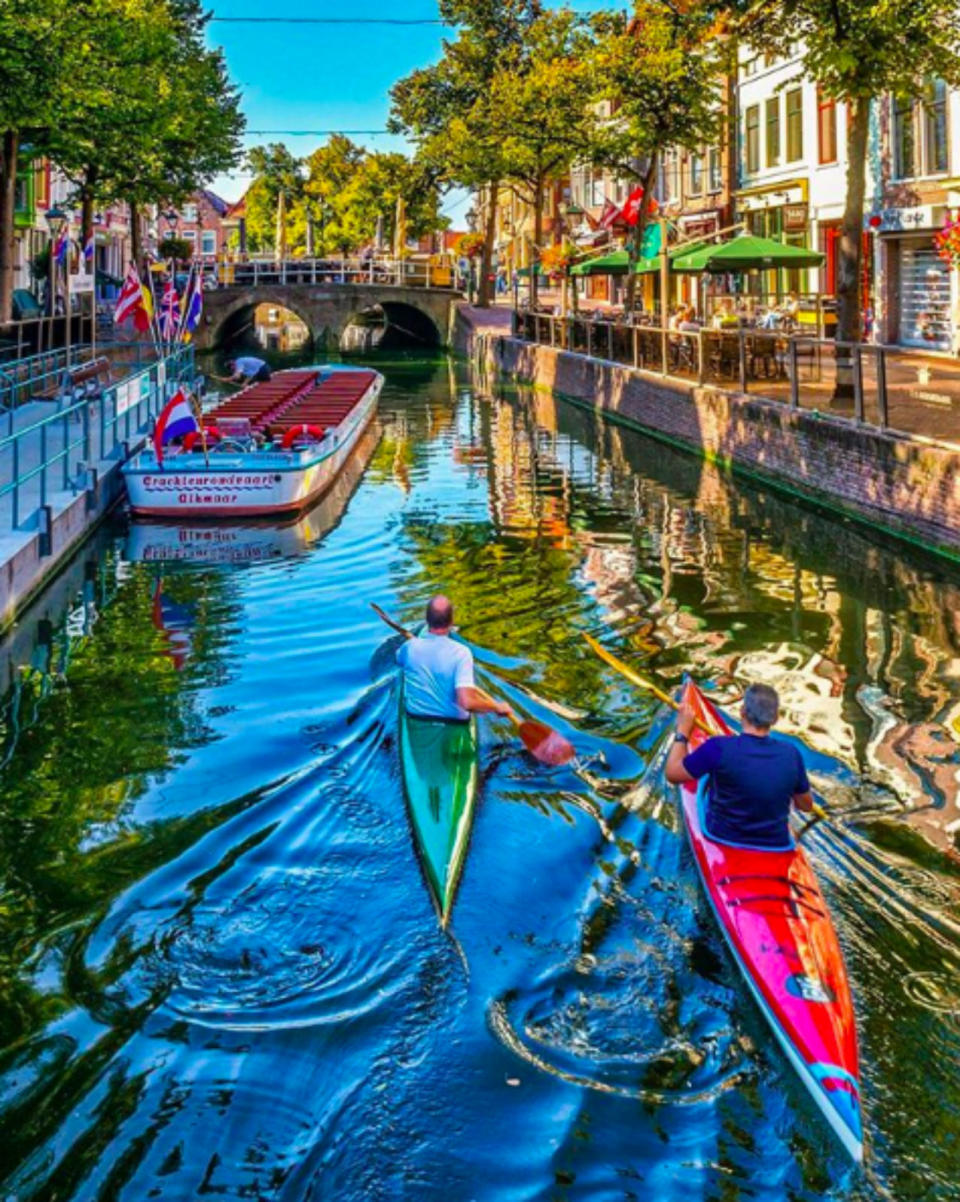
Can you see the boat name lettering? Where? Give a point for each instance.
(221, 480)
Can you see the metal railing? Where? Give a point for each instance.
(401, 273)
(61, 451)
(33, 335)
(884, 386)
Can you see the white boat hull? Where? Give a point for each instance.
(245, 484)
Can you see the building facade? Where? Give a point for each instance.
(203, 221)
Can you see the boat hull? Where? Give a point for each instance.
(246, 484)
(438, 762)
(776, 924)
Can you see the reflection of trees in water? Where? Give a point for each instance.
(121, 715)
(738, 580)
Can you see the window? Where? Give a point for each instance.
(208, 242)
(752, 139)
(794, 101)
(935, 127)
(597, 197)
(696, 173)
(671, 175)
(750, 67)
(190, 235)
(826, 128)
(189, 212)
(904, 156)
(773, 131)
(716, 170)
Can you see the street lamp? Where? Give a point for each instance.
(310, 219)
(56, 220)
(171, 217)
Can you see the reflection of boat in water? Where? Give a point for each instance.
(252, 541)
(272, 448)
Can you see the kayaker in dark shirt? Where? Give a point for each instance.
(754, 778)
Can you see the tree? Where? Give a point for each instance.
(539, 100)
(445, 108)
(659, 70)
(276, 170)
(859, 50)
(39, 44)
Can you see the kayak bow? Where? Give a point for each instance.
(777, 926)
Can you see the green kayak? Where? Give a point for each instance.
(439, 765)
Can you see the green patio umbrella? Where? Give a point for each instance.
(748, 252)
(616, 262)
(524, 272)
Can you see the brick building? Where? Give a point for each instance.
(200, 221)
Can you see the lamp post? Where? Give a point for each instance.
(56, 221)
(310, 247)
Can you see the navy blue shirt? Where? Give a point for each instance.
(752, 781)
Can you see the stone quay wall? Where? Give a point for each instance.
(909, 487)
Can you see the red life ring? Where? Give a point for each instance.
(296, 433)
(190, 440)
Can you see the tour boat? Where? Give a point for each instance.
(778, 928)
(274, 447)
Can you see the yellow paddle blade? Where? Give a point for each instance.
(628, 672)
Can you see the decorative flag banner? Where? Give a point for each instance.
(193, 302)
(60, 250)
(176, 419)
(130, 298)
(175, 622)
(88, 249)
(609, 215)
(631, 207)
(169, 318)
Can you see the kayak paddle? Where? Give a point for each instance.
(543, 742)
(641, 682)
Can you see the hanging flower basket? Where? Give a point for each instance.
(947, 242)
(556, 261)
(470, 245)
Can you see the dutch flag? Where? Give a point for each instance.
(176, 419)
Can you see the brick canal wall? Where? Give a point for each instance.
(907, 486)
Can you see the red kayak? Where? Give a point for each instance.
(777, 925)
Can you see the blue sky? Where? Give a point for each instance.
(326, 76)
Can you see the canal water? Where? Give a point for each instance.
(220, 970)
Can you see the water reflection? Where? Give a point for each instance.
(220, 970)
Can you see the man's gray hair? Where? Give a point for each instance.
(761, 705)
(439, 613)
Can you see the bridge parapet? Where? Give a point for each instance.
(405, 273)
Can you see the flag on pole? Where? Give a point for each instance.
(60, 249)
(169, 318)
(176, 419)
(609, 215)
(193, 304)
(130, 298)
(88, 247)
(632, 205)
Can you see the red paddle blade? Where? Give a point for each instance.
(545, 744)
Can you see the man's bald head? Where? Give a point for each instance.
(440, 612)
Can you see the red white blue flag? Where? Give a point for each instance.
(175, 623)
(88, 249)
(193, 304)
(60, 249)
(176, 419)
(169, 317)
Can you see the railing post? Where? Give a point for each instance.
(43, 464)
(16, 483)
(636, 345)
(882, 400)
(588, 325)
(742, 356)
(65, 474)
(701, 369)
(610, 340)
(857, 383)
(794, 374)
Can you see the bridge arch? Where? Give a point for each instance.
(327, 309)
(390, 325)
(237, 318)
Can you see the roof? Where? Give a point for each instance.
(215, 201)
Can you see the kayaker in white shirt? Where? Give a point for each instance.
(438, 679)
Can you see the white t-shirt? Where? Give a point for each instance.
(434, 667)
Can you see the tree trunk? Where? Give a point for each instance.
(850, 259)
(486, 258)
(635, 241)
(136, 250)
(86, 206)
(537, 241)
(8, 190)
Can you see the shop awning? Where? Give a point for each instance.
(748, 252)
(524, 272)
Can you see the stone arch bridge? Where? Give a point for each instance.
(423, 314)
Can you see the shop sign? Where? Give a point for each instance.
(895, 220)
(794, 217)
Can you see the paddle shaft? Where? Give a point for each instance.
(642, 682)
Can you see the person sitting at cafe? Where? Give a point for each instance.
(725, 316)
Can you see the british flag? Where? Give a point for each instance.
(169, 316)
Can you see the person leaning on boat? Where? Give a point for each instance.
(754, 778)
(438, 672)
(245, 369)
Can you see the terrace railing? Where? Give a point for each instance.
(909, 392)
(388, 272)
(61, 451)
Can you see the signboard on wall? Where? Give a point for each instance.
(794, 218)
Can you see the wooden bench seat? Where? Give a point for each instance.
(82, 381)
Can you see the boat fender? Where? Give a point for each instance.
(190, 440)
(296, 433)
